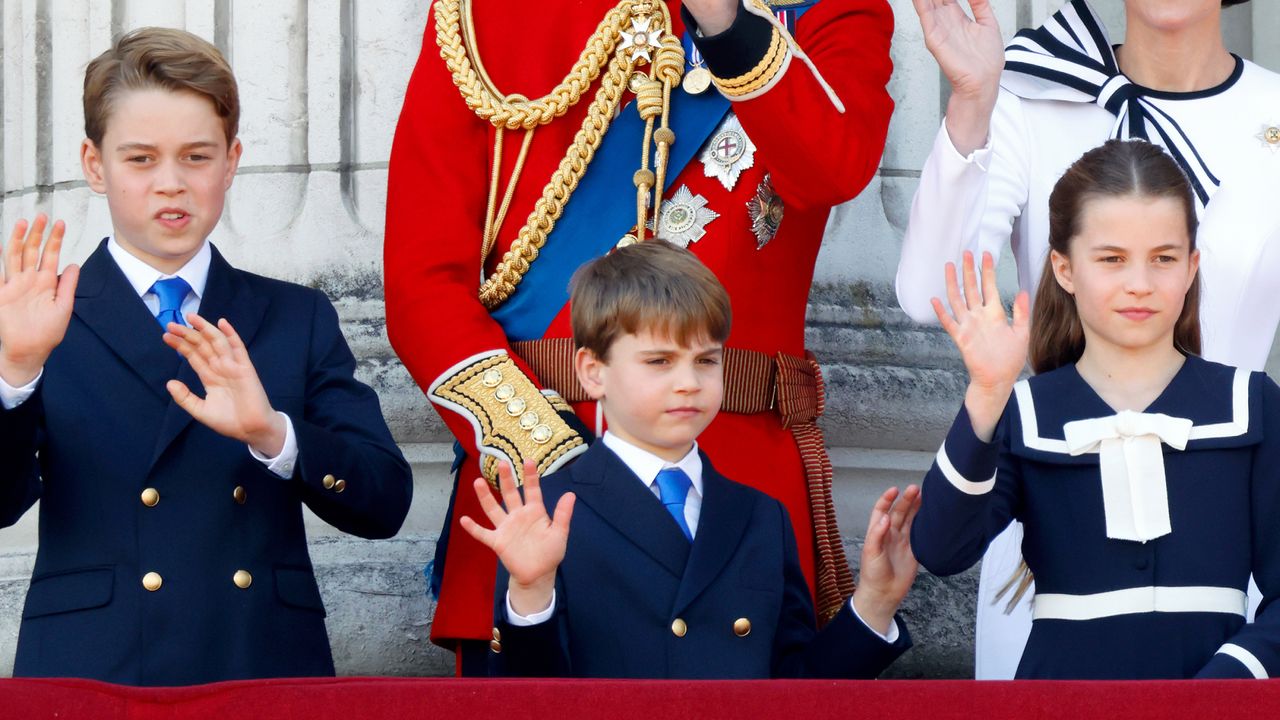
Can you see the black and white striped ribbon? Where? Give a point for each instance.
(1070, 58)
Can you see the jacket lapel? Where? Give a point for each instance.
(226, 295)
(108, 305)
(607, 485)
(726, 512)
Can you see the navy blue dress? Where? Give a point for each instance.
(1168, 607)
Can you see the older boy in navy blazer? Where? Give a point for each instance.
(172, 548)
(670, 570)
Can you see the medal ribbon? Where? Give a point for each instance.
(1070, 58)
(602, 208)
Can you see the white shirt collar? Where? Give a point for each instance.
(142, 276)
(646, 465)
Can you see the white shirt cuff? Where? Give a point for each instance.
(890, 637)
(539, 617)
(282, 464)
(11, 397)
(980, 157)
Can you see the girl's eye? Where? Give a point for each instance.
(1166, 259)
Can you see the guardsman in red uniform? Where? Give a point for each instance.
(754, 119)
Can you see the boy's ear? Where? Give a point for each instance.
(91, 165)
(234, 151)
(1061, 265)
(590, 371)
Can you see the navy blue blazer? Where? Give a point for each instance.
(101, 430)
(635, 599)
(1107, 608)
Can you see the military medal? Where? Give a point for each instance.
(683, 218)
(698, 78)
(1270, 136)
(728, 153)
(641, 39)
(765, 211)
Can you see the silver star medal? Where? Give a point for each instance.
(765, 211)
(1270, 136)
(641, 39)
(684, 218)
(728, 153)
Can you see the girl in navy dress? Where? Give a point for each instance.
(1148, 479)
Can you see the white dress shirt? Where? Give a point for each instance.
(646, 466)
(141, 277)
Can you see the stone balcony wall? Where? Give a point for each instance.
(321, 85)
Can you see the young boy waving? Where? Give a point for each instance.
(173, 552)
(670, 569)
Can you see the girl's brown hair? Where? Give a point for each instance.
(1118, 168)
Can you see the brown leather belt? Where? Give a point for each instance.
(753, 383)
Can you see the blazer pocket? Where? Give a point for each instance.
(69, 590)
(296, 587)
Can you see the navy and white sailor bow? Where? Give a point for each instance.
(1070, 58)
(1135, 495)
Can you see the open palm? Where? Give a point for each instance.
(528, 542)
(994, 350)
(35, 303)
(969, 51)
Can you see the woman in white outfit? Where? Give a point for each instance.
(1011, 130)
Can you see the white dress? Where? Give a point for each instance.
(1000, 195)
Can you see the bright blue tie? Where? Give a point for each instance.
(673, 488)
(171, 293)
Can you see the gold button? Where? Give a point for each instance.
(678, 627)
(504, 392)
(541, 434)
(150, 497)
(497, 634)
(516, 407)
(742, 627)
(495, 646)
(491, 377)
(152, 581)
(528, 420)
(340, 486)
(242, 579)
(239, 494)
(327, 482)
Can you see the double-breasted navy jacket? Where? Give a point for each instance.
(168, 555)
(1168, 607)
(634, 598)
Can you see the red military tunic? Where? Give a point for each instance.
(815, 155)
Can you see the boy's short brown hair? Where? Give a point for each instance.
(153, 57)
(653, 286)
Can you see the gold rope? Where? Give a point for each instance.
(600, 59)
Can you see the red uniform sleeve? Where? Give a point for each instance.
(816, 155)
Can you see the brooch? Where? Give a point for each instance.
(728, 153)
(684, 217)
(765, 211)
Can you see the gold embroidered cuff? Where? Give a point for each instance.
(513, 420)
(764, 74)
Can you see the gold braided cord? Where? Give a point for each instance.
(490, 105)
(513, 112)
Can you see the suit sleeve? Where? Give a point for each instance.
(20, 470)
(439, 328)
(816, 155)
(963, 203)
(540, 650)
(1254, 651)
(968, 497)
(846, 648)
(352, 473)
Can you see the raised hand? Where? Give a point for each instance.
(35, 303)
(994, 351)
(888, 566)
(971, 55)
(529, 544)
(235, 403)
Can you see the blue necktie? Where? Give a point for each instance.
(171, 293)
(673, 488)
